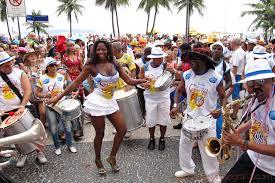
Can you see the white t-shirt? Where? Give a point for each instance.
(262, 131)
(219, 68)
(8, 99)
(201, 92)
(152, 95)
(52, 85)
(238, 59)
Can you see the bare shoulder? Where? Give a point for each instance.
(89, 68)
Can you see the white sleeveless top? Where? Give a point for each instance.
(262, 131)
(201, 92)
(8, 99)
(153, 95)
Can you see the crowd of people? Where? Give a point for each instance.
(207, 76)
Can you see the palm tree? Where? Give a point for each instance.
(146, 5)
(112, 5)
(37, 26)
(4, 16)
(70, 7)
(156, 4)
(109, 5)
(191, 6)
(264, 16)
(119, 3)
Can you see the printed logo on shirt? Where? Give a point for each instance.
(59, 79)
(8, 93)
(197, 98)
(46, 81)
(272, 115)
(258, 133)
(213, 79)
(187, 76)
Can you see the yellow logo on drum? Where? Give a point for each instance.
(196, 99)
(8, 93)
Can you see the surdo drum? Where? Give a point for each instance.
(14, 125)
(129, 106)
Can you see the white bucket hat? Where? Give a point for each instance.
(157, 53)
(218, 43)
(50, 61)
(257, 70)
(4, 57)
(260, 52)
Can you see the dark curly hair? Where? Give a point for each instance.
(94, 57)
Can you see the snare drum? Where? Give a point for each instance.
(14, 125)
(196, 128)
(129, 106)
(164, 81)
(69, 109)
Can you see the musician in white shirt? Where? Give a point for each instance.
(257, 163)
(203, 87)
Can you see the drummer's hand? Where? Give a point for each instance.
(216, 113)
(174, 112)
(171, 69)
(75, 94)
(146, 85)
(52, 101)
(175, 83)
(20, 110)
(128, 88)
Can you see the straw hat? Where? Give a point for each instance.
(260, 52)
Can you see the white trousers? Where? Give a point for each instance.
(210, 164)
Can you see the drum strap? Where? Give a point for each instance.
(9, 83)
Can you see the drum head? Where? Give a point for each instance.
(197, 124)
(120, 94)
(68, 104)
(162, 79)
(12, 119)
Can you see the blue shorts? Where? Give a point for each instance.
(237, 88)
(172, 95)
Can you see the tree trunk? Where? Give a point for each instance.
(70, 21)
(113, 24)
(19, 30)
(33, 26)
(117, 23)
(8, 27)
(187, 30)
(155, 16)
(148, 19)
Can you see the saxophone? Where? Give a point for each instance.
(215, 147)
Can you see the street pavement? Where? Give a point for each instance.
(137, 163)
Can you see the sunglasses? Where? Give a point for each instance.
(259, 82)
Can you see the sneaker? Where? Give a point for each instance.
(72, 149)
(21, 161)
(57, 151)
(181, 174)
(128, 134)
(161, 144)
(41, 158)
(178, 126)
(151, 145)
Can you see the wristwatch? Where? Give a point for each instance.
(175, 105)
(245, 145)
